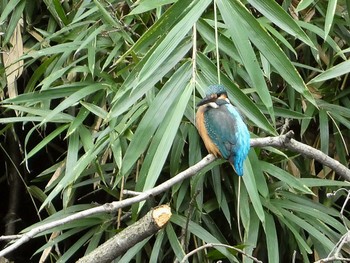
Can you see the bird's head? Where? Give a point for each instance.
(215, 96)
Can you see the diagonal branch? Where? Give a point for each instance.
(111, 207)
(282, 141)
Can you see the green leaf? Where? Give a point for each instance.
(318, 182)
(53, 93)
(45, 141)
(332, 5)
(271, 238)
(16, 7)
(266, 45)
(284, 177)
(333, 72)
(146, 5)
(73, 174)
(249, 60)
(154, 116)
(252, 189)
(318, 31)
(10, 6)
(130, 254)
(72, 99)
(324, 131)
(172, 39)
(161, 26)
(157, 246)
(132, 90)
(98, 111)
(174, 242)
(276, 14)
(162, 141)
(300, 240)
(308, 228)
(251, 235)
(303, 4)
(76, 246)
(310, 211)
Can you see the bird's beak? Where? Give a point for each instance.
(207, 100)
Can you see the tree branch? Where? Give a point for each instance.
(121, 242)
(111, 207)
(286, 141)
(282, 141)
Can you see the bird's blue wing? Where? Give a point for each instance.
(229, 133)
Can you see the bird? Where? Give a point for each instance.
(222, 128)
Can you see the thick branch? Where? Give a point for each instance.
(286, 141)
(283, 141)
(118, 244)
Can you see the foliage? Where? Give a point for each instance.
(108, 92)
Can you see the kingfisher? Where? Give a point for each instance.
(222, 128)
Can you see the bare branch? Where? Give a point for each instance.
(286, 141)
(111, 207)
(283, 141)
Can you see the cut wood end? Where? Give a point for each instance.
(161, 215)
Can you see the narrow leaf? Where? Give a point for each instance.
(332, 5)
(265, 43)
(333, 72)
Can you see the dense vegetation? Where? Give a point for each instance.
(99, 96)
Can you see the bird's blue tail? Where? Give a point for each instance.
(237, 163)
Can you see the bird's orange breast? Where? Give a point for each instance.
(200, 124)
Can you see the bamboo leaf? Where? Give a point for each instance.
(275, 13)
(333, 72)
(265, 44)
(252, 189)
(46, 141)
(284, 177)
(72, 99)
(154, 116)
(332, 5)
(271, 238)
(162, 141)
(249, 60)
(324, 131)
(146, 5)
(172, 39)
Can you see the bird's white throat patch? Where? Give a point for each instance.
(213, 105)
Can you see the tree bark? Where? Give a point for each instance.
(117, 245)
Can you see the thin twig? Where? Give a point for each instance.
(332, 259)
(345, 239)
(209, 245)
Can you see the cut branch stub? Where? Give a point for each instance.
(148, 225)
